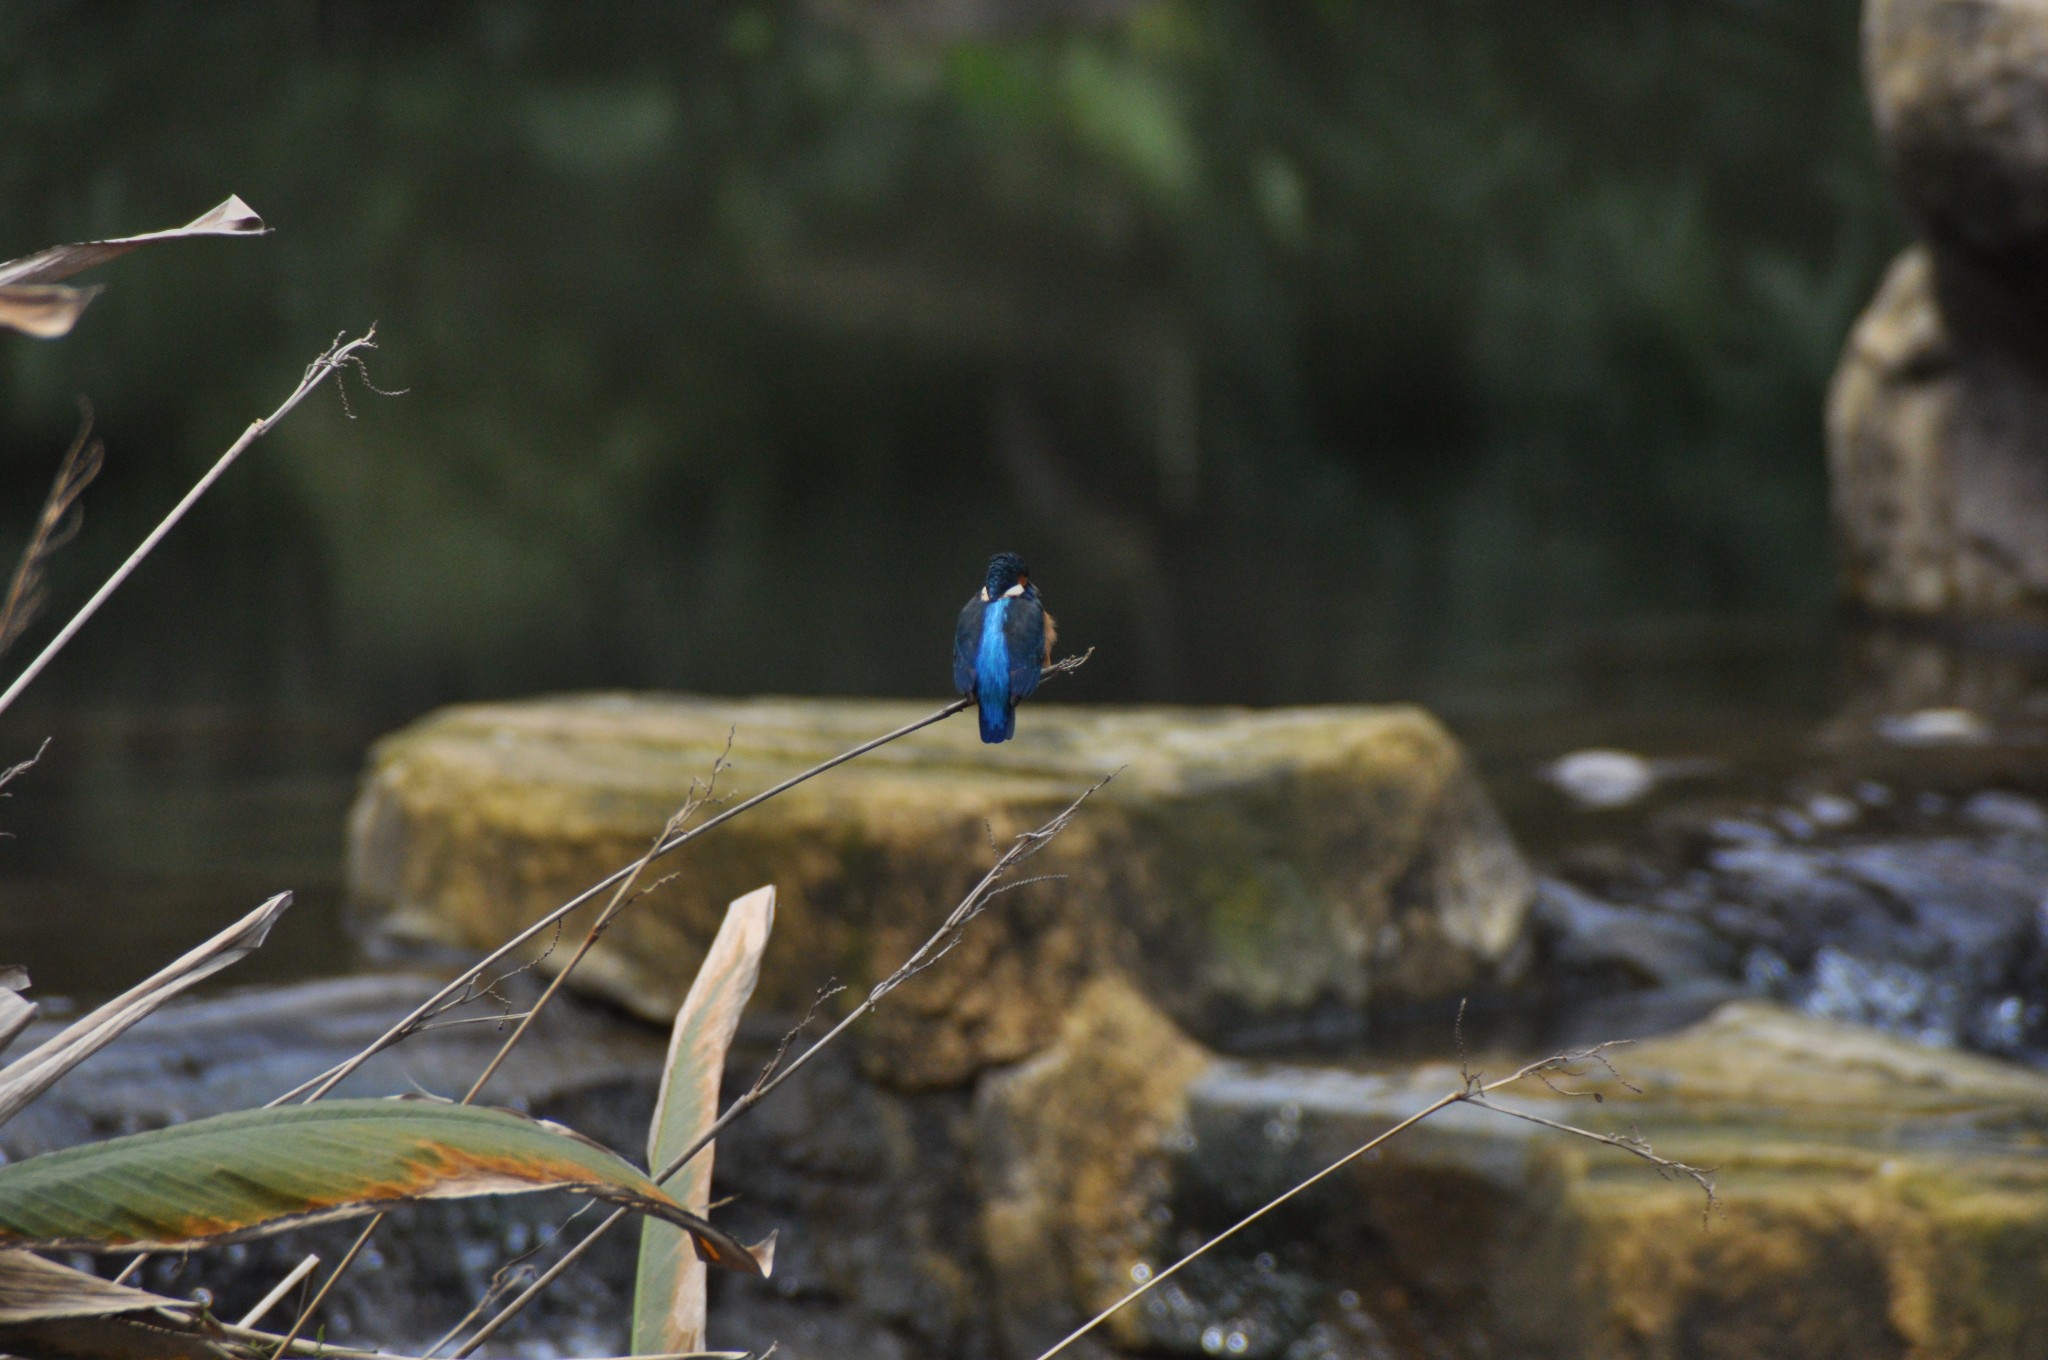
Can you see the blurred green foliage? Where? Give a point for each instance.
(1310, 349)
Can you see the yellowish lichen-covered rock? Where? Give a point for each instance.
(1070, 1149)
(1242, 865)
(1875, 1199)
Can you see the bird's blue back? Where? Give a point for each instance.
(992, 675)
(998, 647)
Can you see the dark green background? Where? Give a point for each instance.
(1309, 350)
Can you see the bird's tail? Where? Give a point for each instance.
(998, 719)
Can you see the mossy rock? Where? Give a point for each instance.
(1241, 867)
(1874, 1198)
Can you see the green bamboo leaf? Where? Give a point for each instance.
(668, 1294)
(242, 1175)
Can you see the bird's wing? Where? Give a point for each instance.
(967, 644)
(1024, 635)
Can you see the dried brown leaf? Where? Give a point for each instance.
(232, 218)
(668, 1297)
(32, 1288)
(28, 1076)
(55, 525)
(44, 310)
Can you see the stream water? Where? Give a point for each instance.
(1797, 840)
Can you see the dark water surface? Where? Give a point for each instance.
(142, 830)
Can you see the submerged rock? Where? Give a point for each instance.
(1243, 866)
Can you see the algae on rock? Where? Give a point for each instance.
(1242, 866)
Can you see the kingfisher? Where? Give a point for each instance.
(1004, 637)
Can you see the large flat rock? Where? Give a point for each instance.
(1242, 867)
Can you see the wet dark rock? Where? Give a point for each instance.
(582, 1067)
(1653, 946)
(1922, 916)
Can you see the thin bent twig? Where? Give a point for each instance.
(338, 355)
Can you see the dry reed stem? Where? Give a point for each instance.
(342, 353)
(620, 899)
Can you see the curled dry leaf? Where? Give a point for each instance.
(32, 1288)
(33, 303)
(232, 218)
(28, 1076)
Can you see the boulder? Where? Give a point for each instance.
(1960, 93)
(1939, 482)
(1071, 1148)
(1241, 867)
(1874, 1198)
(1939, 407)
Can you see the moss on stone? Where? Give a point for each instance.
(1241, 865)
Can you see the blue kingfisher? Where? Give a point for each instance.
(1003, 638)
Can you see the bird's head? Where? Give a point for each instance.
(1007, 575)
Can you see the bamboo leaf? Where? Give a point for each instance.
(32, 1288)
(232, 218)
(243, 1175)
(668, 1294)
(34, 1072)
